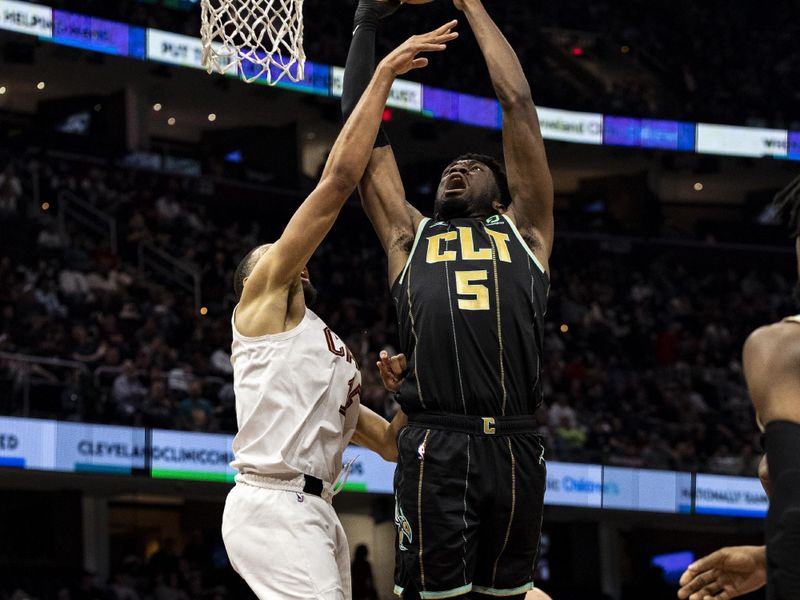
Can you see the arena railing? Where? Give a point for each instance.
(25, 372)
(153, 261)
(92, 219)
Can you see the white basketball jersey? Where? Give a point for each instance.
(297, 400)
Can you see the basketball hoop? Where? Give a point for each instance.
(257, 39)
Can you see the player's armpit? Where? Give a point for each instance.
(384, 199)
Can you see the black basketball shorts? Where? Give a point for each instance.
(469, 493)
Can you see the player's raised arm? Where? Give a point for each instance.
(280, 265)
(381, 188)
(526, 161)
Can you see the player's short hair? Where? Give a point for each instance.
(245, 268)
(786, 206)
(497, 168)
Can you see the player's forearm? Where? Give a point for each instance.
(351, 152)
(505, 70)
(374, 432)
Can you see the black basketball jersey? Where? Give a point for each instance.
(470, 304)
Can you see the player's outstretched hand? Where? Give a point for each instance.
(725, 574)
(404, 58)
(392, 370)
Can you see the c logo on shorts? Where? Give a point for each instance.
(488, 426)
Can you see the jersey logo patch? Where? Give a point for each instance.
(493, 220)
(404, 533)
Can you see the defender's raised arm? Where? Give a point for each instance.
(382, 192)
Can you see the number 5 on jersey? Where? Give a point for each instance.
(468, 284)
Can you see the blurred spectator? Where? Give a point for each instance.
(642, 344)
(127, 392)
(10, 193)
(195, 411)
(361, 574)
(157, 407)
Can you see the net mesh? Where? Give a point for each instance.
(258, 39)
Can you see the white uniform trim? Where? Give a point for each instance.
(524, 245)
(420, 227)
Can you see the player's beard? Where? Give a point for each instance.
(451, 208)
(309, 293)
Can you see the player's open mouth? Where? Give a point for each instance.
(455, 184)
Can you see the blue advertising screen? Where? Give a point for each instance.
(100, 35)
(440, 104)
(673, 564)
(668, 135)
(794, 145)
(622, 131)
(474, 110)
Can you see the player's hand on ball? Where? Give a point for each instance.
(392, 370)
(725, 574)
(404, 58)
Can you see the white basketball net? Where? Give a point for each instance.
(258, 39)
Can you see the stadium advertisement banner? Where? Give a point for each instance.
(370, 472)
(622, 131)
(668, 135)
(727, 140)
(569, 126)
(189, 455)
(649, 133)
(175, 49)
(405, 95)
(84, 448)
(22, 17)
(316, 80)
(653, 491)
(81, 447)
(440, 104)
(337, 81)
(730, 496)
(100, 35)
(571, 484)
(794, 145)
(27, 443)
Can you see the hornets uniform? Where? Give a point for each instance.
(470, 478)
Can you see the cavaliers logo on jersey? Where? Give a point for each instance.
(332, 339)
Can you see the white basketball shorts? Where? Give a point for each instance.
(286, 545)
